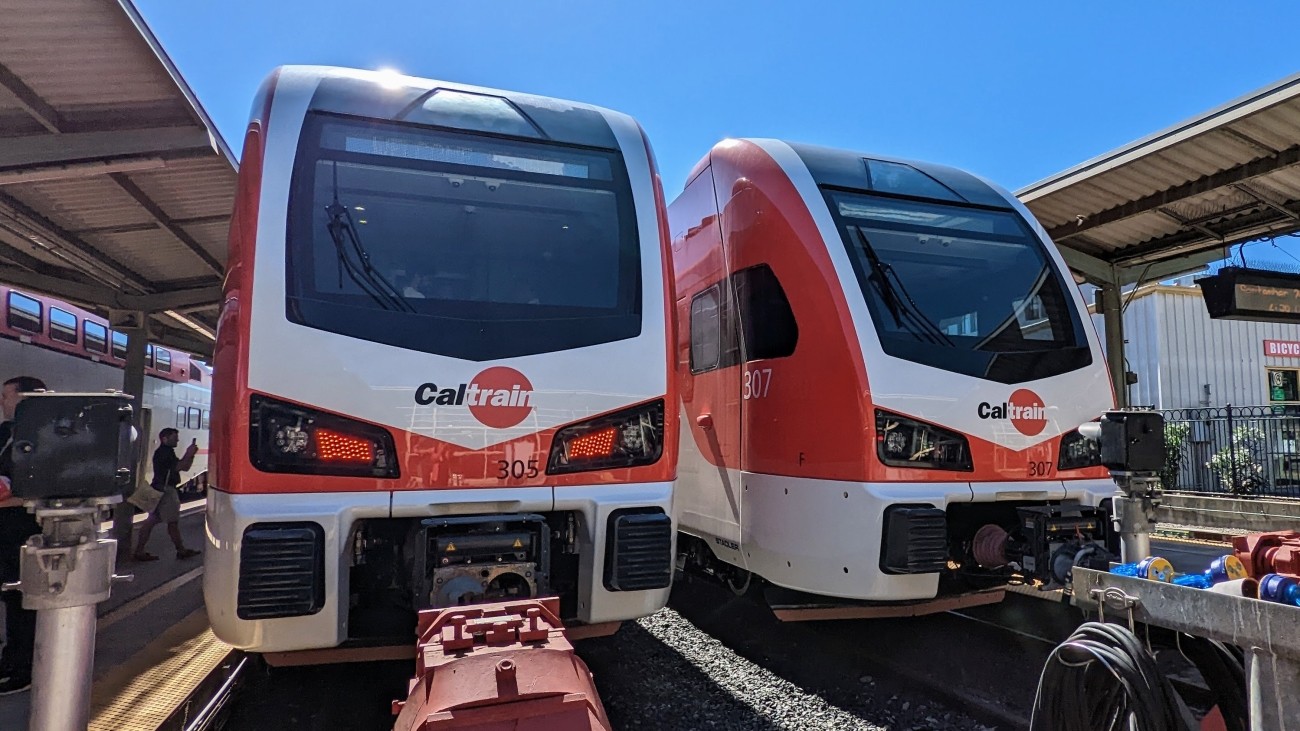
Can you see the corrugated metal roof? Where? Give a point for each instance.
(1225, 177)
(111, 173)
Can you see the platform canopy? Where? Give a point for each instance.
(115, 187)
(1174, 201)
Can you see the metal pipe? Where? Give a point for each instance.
(61, 675)
(1135, 533)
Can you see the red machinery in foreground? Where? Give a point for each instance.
(507, 666)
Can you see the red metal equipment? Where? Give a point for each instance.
(507, 666)
(1269, 553)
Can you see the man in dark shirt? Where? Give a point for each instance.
(167, 469)
(16, 526)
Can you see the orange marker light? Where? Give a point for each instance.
(596, 444)
(332, 446)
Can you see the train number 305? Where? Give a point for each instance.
(517, 469)
(757, 383)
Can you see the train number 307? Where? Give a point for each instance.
(1040, 469)
(757, 383)
(517, 469)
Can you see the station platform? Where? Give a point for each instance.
(153, 644)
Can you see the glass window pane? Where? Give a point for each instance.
(767, 322)
(95, 337)
(164, 360)
(475, 247)
(24, 313)
(968, 290)
(63, 326)
(119, 345)
(1283, 385)
(705, 331)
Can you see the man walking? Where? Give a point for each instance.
(167, 469)
(16, 526)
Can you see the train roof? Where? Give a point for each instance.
(386, 95)
(853, 170)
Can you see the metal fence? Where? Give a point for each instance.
(1233, 450)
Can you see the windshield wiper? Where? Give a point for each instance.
(347, 243)
(906, 313)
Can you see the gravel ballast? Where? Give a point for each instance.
(664, 672)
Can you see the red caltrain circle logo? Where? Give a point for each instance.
(499, 397)
(1025, 410)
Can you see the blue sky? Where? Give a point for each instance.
(1014, 91)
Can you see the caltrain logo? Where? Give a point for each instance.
(498, 397)
(1025, 411)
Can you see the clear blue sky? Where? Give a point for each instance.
(1014, 91)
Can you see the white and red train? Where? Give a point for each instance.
(443, 370)
(71, 349)
(883, 365)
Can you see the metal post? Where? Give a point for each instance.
(1112, 309)
(1135, 513)
(65, 571)
(133, 384)
(1271, 681)
(1232, 452)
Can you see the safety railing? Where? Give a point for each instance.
(1248, 451)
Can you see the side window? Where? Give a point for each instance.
(193, 421)
(164, 358)
(1283, 385)
(63, 326)
(195, 375)
(180, 417)
(95, 337)
(706, 331)
(767, 322)
(148, 356)
(119, 345)
(24, 313)
(713, 331)
(207, 420)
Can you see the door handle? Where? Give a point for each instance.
(704, 421)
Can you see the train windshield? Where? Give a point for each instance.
(464, 245)
(968, 290)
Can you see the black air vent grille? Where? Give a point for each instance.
(639, 553)
(915, 541)
(281, 570)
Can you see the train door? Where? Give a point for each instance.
(709, 500)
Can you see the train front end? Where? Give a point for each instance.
(910, 372)
(441, 371)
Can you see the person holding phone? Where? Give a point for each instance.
(167, 469)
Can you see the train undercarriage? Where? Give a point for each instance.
(977, 550)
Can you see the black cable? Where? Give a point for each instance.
(1103, 679)
(1223, 669)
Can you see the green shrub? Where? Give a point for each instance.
(1240, 467)
(1175, 447)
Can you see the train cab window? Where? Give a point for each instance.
(94, 337)
(163, 360)
(766, 320)
(476, 247)
(705, 331)
(24, 313)
(181, 415)
(195, 374)
(194, 418)
(119, 345)
(63, 326)
(148, 356)
(713, 331)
